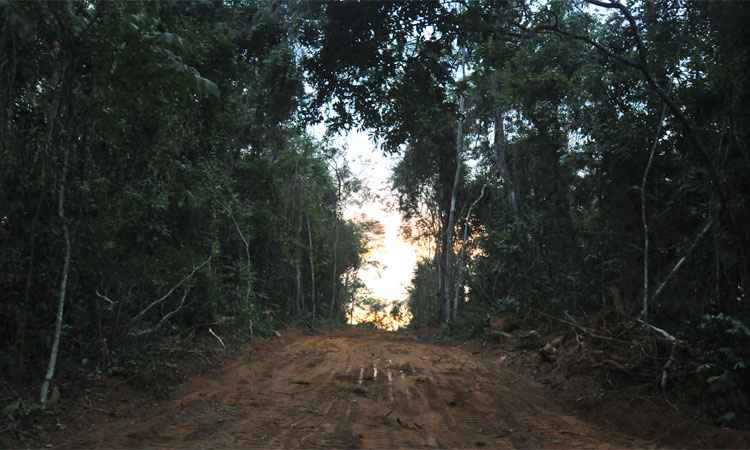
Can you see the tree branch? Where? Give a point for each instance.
(642, 67)
(163, 319)
(246, 244)
(462, 254)
(107, 299)
(165, 296)
(682, 260)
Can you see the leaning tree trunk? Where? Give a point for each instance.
(63, 283)
(52, 137)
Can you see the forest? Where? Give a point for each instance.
(578, 162)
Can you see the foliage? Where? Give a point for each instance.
(367, 325)
(422, 294)
(192, 194)
(471, 324)
(727, 338)
(564, 105)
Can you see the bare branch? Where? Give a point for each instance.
(163, 319)
(165, 296)
(587, 40)
(217, 338)
(670, 362)
(229, 212)
(462, 254)
(682, 260)
(604, 4)
(246, 244)
(107, 299)
(658, 330)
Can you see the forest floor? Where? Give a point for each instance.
(353, 388)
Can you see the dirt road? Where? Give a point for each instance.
(356, 389)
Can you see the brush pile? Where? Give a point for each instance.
(702, 373)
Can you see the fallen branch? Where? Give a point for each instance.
(586, 330)
(658, 330)
(665, 369)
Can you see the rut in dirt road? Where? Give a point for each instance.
(357, 390)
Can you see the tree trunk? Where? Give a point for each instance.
(644, 308)
(461, 263)
(448, 248)
(501, 159)
(298, 278)
(352, 293)
(63, 283)
(439, 268)
(334, 284)
(334, 281)
(311, 257)
(299, 295)
(52, 137)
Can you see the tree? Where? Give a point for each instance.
(145, 189)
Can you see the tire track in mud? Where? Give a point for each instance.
(356, 389)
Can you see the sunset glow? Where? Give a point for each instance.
(394, 257)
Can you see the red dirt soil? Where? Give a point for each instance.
(355, 389)
(352, 389)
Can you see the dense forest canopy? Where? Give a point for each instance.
(564, 156)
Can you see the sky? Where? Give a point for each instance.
(395, 256)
